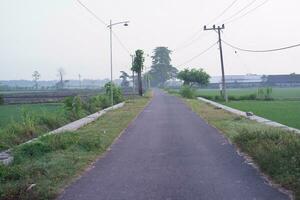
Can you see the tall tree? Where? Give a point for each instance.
(138, 65)
(161, 69)
(61, 73)
(194, 76)
(124, 76)
(36, 76)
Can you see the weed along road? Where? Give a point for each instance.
(169, 153)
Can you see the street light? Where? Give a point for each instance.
(125, 23)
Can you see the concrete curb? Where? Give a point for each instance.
(6, 158)
(254, 117)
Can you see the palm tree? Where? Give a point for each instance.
(138, 65)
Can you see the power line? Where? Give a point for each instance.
(103, 22)
(92, 13)
(250, 11)
(222, 13)
(238, 12)
(201, 36)
(261, 51)
(198, 55)
(121, 43)
(189, 43)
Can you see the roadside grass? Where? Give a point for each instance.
(43, 168)
(276, 152)
(285, 112)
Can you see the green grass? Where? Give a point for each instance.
(54, 161)
(278, 93)
(14, 112)
(285, 112)
(276, 152)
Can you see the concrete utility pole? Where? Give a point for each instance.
(79, 76)
(218, 30)
(133, 86)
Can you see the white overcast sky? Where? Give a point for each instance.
(44, 35)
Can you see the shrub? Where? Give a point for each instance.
(33, 149)
(105, 103)
(51, 120)
(187, 92)
(219, 98)
(1, 99)
(265, 94)
(232, 98)
(74, 107)
(117, 94)
(207, 97)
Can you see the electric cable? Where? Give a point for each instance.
(261, 51)
(198, 55)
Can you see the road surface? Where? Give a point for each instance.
(170, 153)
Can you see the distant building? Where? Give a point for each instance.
(237, 81)
(291, 80)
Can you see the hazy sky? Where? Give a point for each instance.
(44, 35)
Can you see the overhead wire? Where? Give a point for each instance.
(198, 55)
(239, 11)
(245, 14)
(121, 43)
(193, 39)
(105, 24)
(261, 51)
(222, 13)
(92, 13)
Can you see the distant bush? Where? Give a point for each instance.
(117, 93)
(96, 103)
(219, 98)
(265, 94)
(74, 107)
(51, 121)
(1, 99)
(247, 97)
(187, 92)
(207, 97)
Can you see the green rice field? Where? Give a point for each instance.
(278, 93)
(14, 112)
(284, 112)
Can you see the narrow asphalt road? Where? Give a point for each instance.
(169, 153)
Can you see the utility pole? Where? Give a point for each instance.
(133, 86)
(218, 30)
(79, 76)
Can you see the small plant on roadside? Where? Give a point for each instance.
(74, 107)
(28, 122)
(187, 92)
(117, 94)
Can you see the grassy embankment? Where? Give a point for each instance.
(276, 152)
(42, 169)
